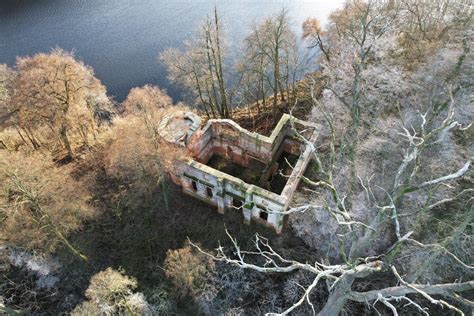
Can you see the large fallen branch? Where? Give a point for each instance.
(436, 289)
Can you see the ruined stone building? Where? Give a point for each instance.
(232, 168)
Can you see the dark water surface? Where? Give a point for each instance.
(121, 39)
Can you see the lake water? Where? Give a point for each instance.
(121, 39)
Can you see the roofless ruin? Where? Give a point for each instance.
(233, 168)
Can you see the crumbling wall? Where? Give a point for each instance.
(200, 144)
(223, 190)
(229, 140)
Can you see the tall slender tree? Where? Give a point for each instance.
(270, 46)
(200, 68)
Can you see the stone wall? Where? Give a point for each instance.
(228, 139)
(225, 137)
(227, 192)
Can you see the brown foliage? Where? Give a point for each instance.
(189, 270)
(313, 33)
(7, 76)
(40, 204)
(137, 156)
(110, 293)
(311, 27)
(426, 25)
(136, 153)
(51, 91)
(145, 99)
(132, 156)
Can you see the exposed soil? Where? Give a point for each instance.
(261, 119)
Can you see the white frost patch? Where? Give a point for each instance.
(43, 269)
(138, 302)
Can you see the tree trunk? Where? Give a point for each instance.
(338, 297)
(276, 75)
(201, 97)
(31, 138)
(213, 107)
(280, 87)
(219, 72)
(3, 145)
(262, 81)
(264, 95)
(21, 136)
(83, 132)
(69, 245)
(356, 94)
(211, 72)
(65, 140)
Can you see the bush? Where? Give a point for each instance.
(110, 293)
(189, 270)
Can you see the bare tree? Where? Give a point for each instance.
(148, 103)
(425, 24)
(40, 205)
(136, 154)
(200, 69)
(361, 261)
(357, 28)
(189, 270)
(270, 47)
(51, 91)
(253, 78)
(408, 219)
(314, 34)
(145, 99)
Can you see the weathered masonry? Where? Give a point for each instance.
(233, 168)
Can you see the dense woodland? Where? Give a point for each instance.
(382, 223)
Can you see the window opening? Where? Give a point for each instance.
(263, 212)
(238, 203)
(209, 192)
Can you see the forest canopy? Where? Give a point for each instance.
(382, 223)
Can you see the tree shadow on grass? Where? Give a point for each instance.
(134, 232)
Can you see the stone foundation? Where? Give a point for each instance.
(257, 155)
